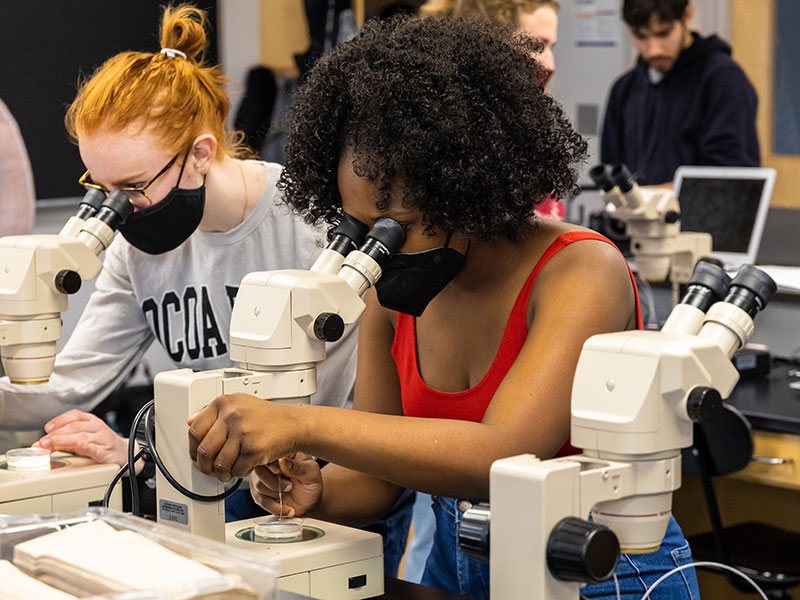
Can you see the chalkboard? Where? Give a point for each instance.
(46, 45)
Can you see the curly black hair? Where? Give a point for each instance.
(452, 108)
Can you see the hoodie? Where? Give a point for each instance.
(701, 112)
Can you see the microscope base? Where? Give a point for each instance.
(72, 483)
(339, 563)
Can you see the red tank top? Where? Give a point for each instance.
(420, 400)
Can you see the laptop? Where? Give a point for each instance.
(731, 204)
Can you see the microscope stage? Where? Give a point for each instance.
(330, 562)
(72, 482)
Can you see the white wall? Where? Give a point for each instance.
(239, 44)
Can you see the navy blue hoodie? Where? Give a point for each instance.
(703, 112)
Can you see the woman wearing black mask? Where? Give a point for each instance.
(468, 348)
(153, 126)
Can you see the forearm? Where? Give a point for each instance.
(353, 498)
(437, 456)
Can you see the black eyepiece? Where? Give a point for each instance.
(348, 235)
(622, 177)
(751, 290)
(90, 203)
(383, 240)
(599, 174)
(115, 210)
(708, 284)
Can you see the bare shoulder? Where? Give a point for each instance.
(588, 270)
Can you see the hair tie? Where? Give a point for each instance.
(172, 53)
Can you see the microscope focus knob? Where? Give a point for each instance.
(328, 327)
(579, 550)
(68, 282)
(672, 216)
(703, 404)
(473, 531)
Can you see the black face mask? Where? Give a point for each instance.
(167, 224)
(410, 281)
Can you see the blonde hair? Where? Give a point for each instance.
(503, 12)
(176, 98)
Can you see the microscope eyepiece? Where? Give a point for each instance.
(383, 240)
(599, 174)
(348, 235)
(708, 284)
(622, 177)
(90, 203)
(115, 210)
(751, 290)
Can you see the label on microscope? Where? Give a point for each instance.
(173, 511)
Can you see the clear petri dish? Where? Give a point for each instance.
(28, 459)
(278, 529)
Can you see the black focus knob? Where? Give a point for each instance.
(703, 404)
(578, 550)
(328, 327)
(473, 532)
(68, 282)
(672, 216)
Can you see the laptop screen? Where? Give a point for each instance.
(730, 203)
(725, 208)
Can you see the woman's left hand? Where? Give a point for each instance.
(237, 432)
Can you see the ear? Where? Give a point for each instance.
(203, 152)
(688, 14)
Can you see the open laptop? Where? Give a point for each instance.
(731, 204)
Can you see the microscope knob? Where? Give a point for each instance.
(68, 282)
(473, 531)
(672, 216)
(579, 550)
(328, 327)
(703, 404)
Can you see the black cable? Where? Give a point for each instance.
(132, 461)
(148, 408)
(117, 477)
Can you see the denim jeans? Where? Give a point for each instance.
(449, 568)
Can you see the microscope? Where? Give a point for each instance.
(280, 323)
(635, 397)
(37, 273)
(652, 217)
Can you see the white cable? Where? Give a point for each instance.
(616, 585)
(715, 565)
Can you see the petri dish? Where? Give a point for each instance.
(28, 459)
(278, 529)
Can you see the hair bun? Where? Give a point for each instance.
(183, 28)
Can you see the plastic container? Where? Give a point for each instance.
(237, 568)
(278, 529)
(28, 459)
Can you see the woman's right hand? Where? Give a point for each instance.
(301, 485)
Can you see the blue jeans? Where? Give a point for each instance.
(393, 527)
(449, 568)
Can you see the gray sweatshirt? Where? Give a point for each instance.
(182, 299)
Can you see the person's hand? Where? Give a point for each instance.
(85, 435)
(237, 432)
(300, 479)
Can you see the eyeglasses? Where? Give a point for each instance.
(134, 193)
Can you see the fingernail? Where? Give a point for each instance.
(289, 464)
(48, 428)
(286, 485)
(45, 443)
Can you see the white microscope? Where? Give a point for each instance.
(652, 218)
(279, 326)
(37, 273)
(635, 397)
